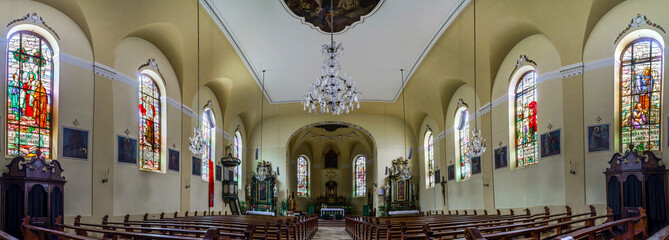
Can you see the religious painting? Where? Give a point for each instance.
(451, 172)
(197, 166)
(127, 150)
(476, 165)
(598, 138)
(322, 13)
(437, 175)
(401, 185)
(501, 160)
(173, 163)
(219, 173)
(550, 143)
(262, 191)
(75, 143)
(331, 159)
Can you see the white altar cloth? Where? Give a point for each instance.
(339, 210)
(260, 213)
(404, 212)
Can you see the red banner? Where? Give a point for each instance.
(211, 184)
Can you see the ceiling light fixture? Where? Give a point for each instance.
(331, 93)
(477, 144)
(197, 142)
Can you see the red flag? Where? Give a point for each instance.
(211, 184)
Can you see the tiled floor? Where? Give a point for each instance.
(331, 233)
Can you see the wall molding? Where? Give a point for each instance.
(573, 70)
(36, 19)
(75, 61)
(104, 71)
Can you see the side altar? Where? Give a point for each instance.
(262, 192)
(400, 189)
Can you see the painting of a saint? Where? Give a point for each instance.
(331, 159)
(219, 173)
(598, 138)
(321, 13)
(500, 157)
(127, 150)
(476, 165)
(174, 160)
(400, 190)
(550, 143)
(451, 172)
(262, 191)
(75, 143)
(197, 166)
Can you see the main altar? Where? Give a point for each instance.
(400, 189)
(331, 205)
(262, 192)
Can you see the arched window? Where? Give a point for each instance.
(30, 77)
(462, 127)
(360, 176)
(302, 176)
(149, 123)
(208, 135)
(641, 94)
(238, 155)
(526, 119)
(429, 158)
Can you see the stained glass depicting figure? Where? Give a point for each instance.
(302, 176)
(526, 119)
(640, 94)
(149, 124)
(463, 133)
(29, 94)
(360, 176)
(238, 153)
(429, 155)
(206, 154)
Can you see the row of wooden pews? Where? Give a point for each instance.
(527, 226)
(187, 227)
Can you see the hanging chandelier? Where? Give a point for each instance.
(197, 143)
(476, 144)
(331, 93)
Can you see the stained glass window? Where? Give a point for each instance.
(429, 157)
(463, 135)
(526, 119)
(29, 95)
(641, 94)
(238, 155)
(149, 124)
(206, 135)
(360, 176)
(302, 176)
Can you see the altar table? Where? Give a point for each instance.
(332, 210)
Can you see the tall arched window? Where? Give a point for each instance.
(360, 176)
(149, 123)
(526, 119)
(429, 158)
(462, 126)
(302, 176)
(30, 76)
(641, 94)
(207, 134)
(238, 155)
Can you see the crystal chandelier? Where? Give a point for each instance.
(197, 142)
(476, 144)
(331, 93)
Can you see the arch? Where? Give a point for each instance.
(639, 89)
(461, 127)
(360, 176)
(303, 176)
(209, 134)
(238, 148)
(523, 116)
(428, 146)
(32, 60)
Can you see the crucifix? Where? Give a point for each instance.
(443, 190)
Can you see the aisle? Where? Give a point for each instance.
(331, 233)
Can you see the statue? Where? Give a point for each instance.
(276, 191)
(293, 207)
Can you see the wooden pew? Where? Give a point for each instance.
(6, 236)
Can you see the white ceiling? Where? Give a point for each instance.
(395, 36)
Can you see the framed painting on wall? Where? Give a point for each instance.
(598, 138)
(197, 166)
(219, 173)
(451, 172)
(173, 162)
(501, 158)
(126, 149)
(550, 143)
(476, 165)
(75, 143)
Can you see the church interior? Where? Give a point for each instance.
(333, 119)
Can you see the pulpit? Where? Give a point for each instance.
(31, 187)
(262, 192)
(400, 187)
(637, 180)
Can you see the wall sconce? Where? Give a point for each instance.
(571, 168)
(187, 186)
(485, 184)
(105, 176)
